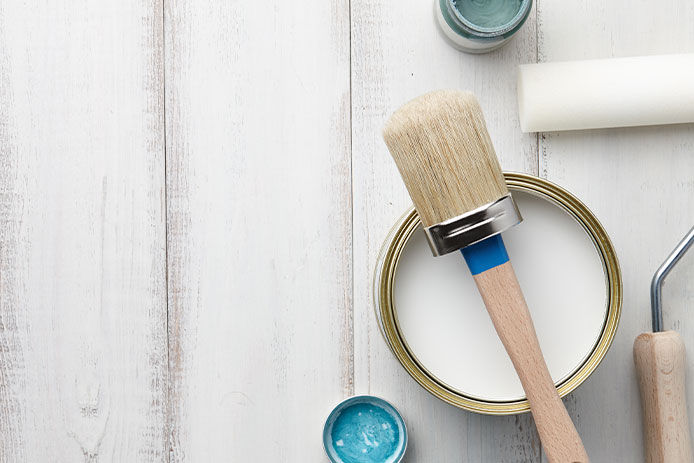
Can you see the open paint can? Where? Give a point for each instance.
(435, 322)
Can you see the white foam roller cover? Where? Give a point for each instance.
(619, 92)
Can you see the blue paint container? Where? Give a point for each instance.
(479, 26)
(365, 429)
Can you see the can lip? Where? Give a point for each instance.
(379, 401)
(385, 314)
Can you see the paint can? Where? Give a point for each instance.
(365, 428)
(480, 26)
(435, 323)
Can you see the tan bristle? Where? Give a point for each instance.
(441, 146)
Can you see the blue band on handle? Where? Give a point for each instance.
(486, 254)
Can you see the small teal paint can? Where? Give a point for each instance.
(365, 429)
(480, 26)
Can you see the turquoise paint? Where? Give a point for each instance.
(489, 14)
(365, 433)
(478, 26)
(365, 430)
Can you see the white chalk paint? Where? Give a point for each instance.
(447, 327)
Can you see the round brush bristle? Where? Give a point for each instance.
(440, 144)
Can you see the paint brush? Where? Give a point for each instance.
(440, 144)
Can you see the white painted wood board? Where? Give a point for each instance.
(397, 54)
(82, 232)
(640, 184)
(265, 216)
(259, 207)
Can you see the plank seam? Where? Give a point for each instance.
(351, 200)
(168, 421)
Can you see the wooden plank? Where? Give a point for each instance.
(259, 210)
(397, 54)
(82, 232)
(638, 181)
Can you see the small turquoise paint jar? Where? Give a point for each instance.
(480, 26)
(365, 429)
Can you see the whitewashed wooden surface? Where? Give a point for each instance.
(193, 194)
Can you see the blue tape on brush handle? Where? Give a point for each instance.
(486, 254)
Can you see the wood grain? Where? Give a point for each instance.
(259, 211)
(398, 54)
(638, 182)
(82, 232)
(508, 310)
(660, 361)
(266, 144)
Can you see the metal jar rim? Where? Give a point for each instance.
(385, 309)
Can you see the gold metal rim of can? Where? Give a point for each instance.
(385, 309)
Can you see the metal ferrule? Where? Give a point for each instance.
(471, 227)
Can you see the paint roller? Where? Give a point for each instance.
(660, 363)
(618, 92)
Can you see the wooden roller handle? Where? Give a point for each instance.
(509, 313)
(660, 365)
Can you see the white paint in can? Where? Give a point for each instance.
(444, 322)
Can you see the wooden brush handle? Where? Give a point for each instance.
(509, 313)
(660, 364)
